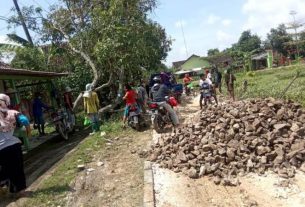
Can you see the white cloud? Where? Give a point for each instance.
(226, 22)
(181, 23)
(223, 37)
(263, 15)
(212, 19)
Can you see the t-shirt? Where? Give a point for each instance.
(91, 102)
(38, 105)
(142, 96)
(206, 81)
(130, 98)
(187, 80)
(159, 92)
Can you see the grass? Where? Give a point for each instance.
(54, 189)
(272, 83)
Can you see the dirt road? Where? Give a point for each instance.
(119, 182)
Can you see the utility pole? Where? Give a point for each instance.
(26, 31)
(295, 26)
(181, 24)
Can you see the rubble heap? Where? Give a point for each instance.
(231, 140)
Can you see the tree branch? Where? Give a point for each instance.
(83, 55)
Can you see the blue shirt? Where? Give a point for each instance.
(23, 120)
(38, 106)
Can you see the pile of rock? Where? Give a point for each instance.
(237, 138)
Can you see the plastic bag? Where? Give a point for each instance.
(87, 121)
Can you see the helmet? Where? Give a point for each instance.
(68, 89)
(157, 79)
(6, 99)
(89, 87)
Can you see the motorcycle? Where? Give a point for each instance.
(160, 117)
(134, 118)
(64, 122)
(177, 91)
(206, 93)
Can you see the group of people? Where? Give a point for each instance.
(138, 97)
(212, 80)
(12, 121)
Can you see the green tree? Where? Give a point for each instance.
(277, 38)
(248, 42)
(114, 38)
(212, 52)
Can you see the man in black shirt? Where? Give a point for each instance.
(158, 93)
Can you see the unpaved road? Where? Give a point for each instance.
(119, 183)
(177, 190)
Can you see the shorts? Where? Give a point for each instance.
(127, 109)
(39, 120)
(94, 117)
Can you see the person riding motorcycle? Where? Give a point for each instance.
(158, 93)
(206, 83)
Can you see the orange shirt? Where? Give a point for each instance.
(187, 80)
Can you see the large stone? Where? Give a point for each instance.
(295, 127)
(280, 126)
(192, 173)
(260, 150)
(207, 148)
(182, 157)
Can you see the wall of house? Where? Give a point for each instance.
(195, 62)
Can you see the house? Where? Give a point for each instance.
(18, 83)
(262, 60)
(194, 65)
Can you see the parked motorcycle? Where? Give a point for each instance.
(64, 122)
(160, 117)
(134, 118)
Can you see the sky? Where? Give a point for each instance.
(206, 23)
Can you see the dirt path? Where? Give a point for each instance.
(177, 190)
(119, 181)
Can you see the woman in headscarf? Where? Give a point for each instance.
(91, 106)
(11, 158)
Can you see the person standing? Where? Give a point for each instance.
(229, 79)
(11, 158)
(130, 98)
(68, 102)
(38, 107)
(216, 78)
(142, 97)
(91, 106)
(187, 80)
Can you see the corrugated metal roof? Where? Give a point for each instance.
(8, 71)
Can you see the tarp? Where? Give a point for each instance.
(196, 69)
(182, 72)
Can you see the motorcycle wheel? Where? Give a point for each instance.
(136, 123)
(158, 124)
(179, 98)
(62, 132)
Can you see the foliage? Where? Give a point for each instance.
(212, 52)
(277, 38)
(105, 42)
(248, 42)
